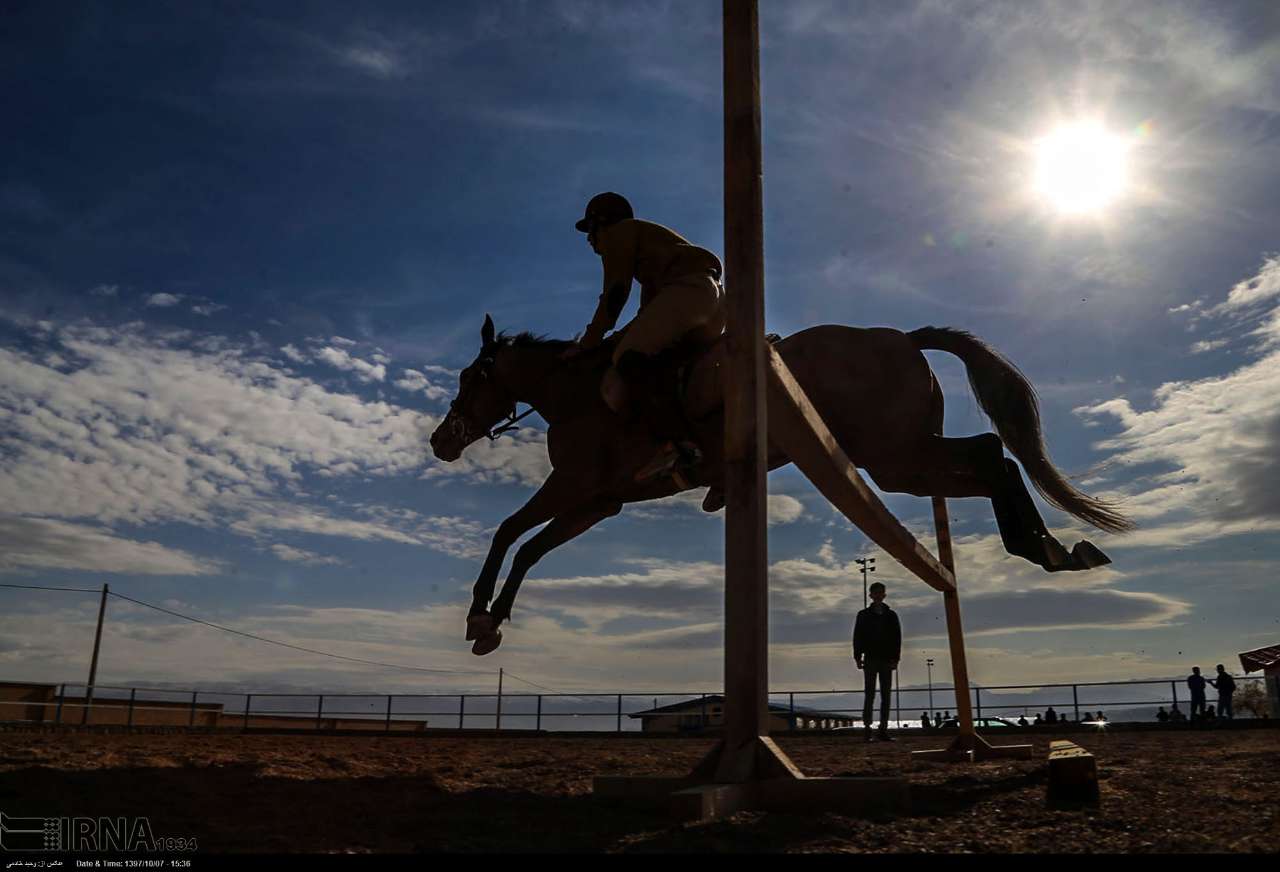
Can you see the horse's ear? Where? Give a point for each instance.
(486, 332)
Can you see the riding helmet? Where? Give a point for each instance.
(605, 209)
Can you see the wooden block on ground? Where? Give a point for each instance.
(710, 801)
(1073, 773)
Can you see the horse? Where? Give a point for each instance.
(595, 454)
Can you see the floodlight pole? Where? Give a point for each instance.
(928, 664)
(867, 564)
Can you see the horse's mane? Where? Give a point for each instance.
(530, 340)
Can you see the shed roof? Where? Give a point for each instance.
(717, 699)
(1260, 658)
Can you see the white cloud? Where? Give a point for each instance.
(294, 354)
(41, 543)
(1208, 450)
(298, 555)
(164, 426)
(1208, 345)
(783, 509)
(163, 301)
(416, 382)
(105, 290)
(1260, 288)
(365, 371)
(206, 309)
(518, 457)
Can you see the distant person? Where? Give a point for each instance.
(1226, 687)
(1023, 722)
(877, 647)
(1210, 714)
(1162, 716)
(1195, 683)
(1176, 715)
(1100, 718)
(1039, 721)
(937, 720)
(925, 722)
(1050, 716)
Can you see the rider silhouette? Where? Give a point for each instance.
(681, 298)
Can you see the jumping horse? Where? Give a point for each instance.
(595, 455)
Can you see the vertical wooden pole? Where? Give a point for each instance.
(93, 663)
(746, 441)
(388, 713)
(955, 632)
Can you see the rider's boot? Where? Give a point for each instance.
(651, 405)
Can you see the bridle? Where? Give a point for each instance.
(461, 427)
(510, 424)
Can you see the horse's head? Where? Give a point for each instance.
(480, 405)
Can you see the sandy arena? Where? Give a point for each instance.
(1185, 791)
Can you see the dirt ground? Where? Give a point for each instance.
(1188, 791)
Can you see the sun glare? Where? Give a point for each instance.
(1081, 168)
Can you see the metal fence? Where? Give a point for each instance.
(798, 711)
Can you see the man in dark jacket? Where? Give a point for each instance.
(877, 647)
(1195, 683)
(1226, 686)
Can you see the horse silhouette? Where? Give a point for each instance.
(844, 370)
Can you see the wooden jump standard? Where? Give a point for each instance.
(746, 770)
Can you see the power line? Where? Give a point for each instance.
(511, 674)
(295, 647)
(42, 587)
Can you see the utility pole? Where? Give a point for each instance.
(498, 725)
(93, 663)
(867, 564)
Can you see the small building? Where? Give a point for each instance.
(707, 713)
(1268, 660)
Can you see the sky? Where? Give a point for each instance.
(246, 249)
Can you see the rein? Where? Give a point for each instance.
(509, 424)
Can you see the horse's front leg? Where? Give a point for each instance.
(574, 522)
(551, 499)
(562, 528)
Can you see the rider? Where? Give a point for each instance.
(680, 298)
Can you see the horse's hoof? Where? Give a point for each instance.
(487, 644)
(713, 501)
(479, 625)
(1088, 556)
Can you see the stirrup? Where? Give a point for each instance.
(671, 460)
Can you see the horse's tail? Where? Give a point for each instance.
(1010, 402)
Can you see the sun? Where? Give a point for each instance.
(1081, 168)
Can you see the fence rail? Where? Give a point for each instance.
(795, 711)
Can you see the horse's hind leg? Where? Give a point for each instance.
(976, 466)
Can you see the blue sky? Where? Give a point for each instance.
(244, 251)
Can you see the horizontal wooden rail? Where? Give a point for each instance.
(797, 428)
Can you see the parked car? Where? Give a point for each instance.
(981, 724)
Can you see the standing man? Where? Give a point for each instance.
(1195, 683)
(877, 647)
(1226, 686)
